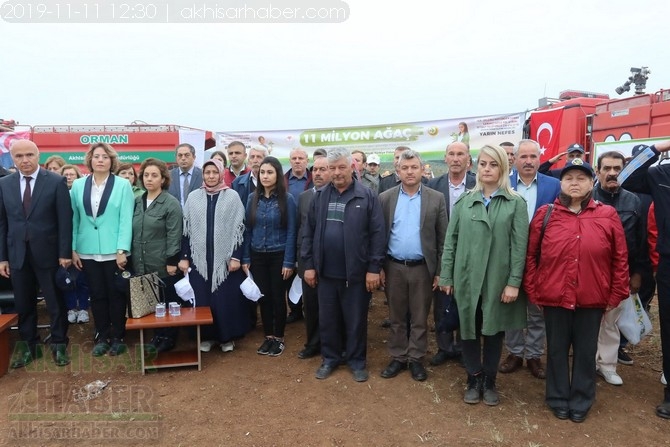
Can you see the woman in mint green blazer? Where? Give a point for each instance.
(102, 205)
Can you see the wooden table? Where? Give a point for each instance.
(6, 322)
(190, 316)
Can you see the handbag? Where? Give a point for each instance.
(449, 320)
(145, 293)
(633, 323)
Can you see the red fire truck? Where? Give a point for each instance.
(588, 118)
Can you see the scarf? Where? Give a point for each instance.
(228, 231)
(222, 182)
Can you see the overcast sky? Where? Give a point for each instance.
(389, 62)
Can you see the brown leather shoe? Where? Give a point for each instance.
(536, 368)
(510, 364)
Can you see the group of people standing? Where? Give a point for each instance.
(514, 248)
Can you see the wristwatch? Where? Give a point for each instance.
(120, 252)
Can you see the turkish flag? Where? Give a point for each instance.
(6, 139)
(545, 128)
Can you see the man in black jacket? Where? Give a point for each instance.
(628, 207)
(640, 176)
(343, 248)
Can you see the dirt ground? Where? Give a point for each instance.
(243, 399)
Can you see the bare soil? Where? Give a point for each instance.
(243, 399)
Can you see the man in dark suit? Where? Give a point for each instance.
(456, 182)
(320, 177)
(186, 177)
(412, 266)
(35, 238)
(538, 189)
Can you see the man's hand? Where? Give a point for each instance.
(171, 269)
(4, 269)
(382, 278)
(635, 282)
(310, 278)
(64, 262)
(557, 157)
(663, 146)
(371, 281)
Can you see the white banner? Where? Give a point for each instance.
(428, 137)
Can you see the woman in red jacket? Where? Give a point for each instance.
(576, 269)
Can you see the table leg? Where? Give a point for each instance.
(142, 350)
(4, 352)
(197, 346)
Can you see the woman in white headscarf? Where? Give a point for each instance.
(212, 248)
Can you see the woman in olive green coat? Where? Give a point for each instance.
(157, 229)
(482, 265)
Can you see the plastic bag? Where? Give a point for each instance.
(634, 322)
(184, 289)
(250, 289)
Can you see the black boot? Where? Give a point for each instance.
(490, 391)
(663, 410)
(474, 389)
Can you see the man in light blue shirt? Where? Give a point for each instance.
(416, 223)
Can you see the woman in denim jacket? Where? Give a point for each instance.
(270, 245)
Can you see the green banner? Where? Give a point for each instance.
(135, 157)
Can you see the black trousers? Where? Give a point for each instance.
(663, 282)
(310, 300)
(343, 309)
(483, 355)
(647, 288)
(25, 281)
(108, 304)
(578, 329)
(266, 268)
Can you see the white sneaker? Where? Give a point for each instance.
(207, 345)
(228, 347)
(72, 316)
(663, 381)
(82, 316)
(610, 377)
